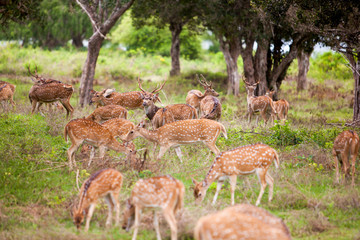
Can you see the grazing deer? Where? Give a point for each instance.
(89, 132)
(262, 104)
(119, 127)
(107, 112)
(210, 108)
(162, 116)
(7, 91)
(243, 160)
(281, 106)
(105, 183)
(182, 132)
(129, 100)
(48, 91)
(346, 148)
(242, 221)
(165, 193)
(194, 97)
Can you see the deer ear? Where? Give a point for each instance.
(193, 180)
(108, 92)
(157, 98)
(142, 96)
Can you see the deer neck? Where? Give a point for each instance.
(151, 110)
(149, 135)
(213, 174)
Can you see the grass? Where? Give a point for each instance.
(37, 190)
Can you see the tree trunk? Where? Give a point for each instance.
(355, 66)
(175, 29)
(87, 77)
(261, 67)
(303, 66)
(77, 41)
(231, 54)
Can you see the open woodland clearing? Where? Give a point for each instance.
(37, 190)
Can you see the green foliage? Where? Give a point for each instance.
(329, 65)
(149, 39)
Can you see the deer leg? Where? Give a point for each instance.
(89, 215)
(170, 218)
(137, 222)
(270, 181)
(336, 160)
(232, 188)
(345, 165)
(218, 188)
(154, 150)
(33, 106)
(71, 154)
(261, 175)
(263, 115)
(156, 226)
(212, 147)
(92, 154)
(110, 204)
(68, 107)
(38, 105)
(179, 153)
(162, 151)
(115, 200)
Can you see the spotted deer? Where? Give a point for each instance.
(243, 160)
(262, 104)
(194, 97)
(170, 113)
(105, 183)
(165, 193)
(180, 133)
(7, 91)
(346, 149)
(281, 106)
(243, 221)
(119, 127)
(129, 100)
(48, 91)
(85, 131)
(210, 108)
(107, 112)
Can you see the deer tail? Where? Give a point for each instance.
(180, 197)
(277, 161)
(223, 130)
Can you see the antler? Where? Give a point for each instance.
(158, 89)
(204, 79)
(247, 83)
(202, 82)
(140, 85)
(36, 75)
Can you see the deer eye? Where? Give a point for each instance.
(131, 131)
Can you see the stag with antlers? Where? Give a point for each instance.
(262, 104)
(194, 97)
(48, 91)
(161, 116)
(128, 100)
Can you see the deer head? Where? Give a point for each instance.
(38, 79)
(129, 216)
(207, 86)
(150, 97)
(199, 191)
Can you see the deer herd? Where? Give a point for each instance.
(174, 125)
